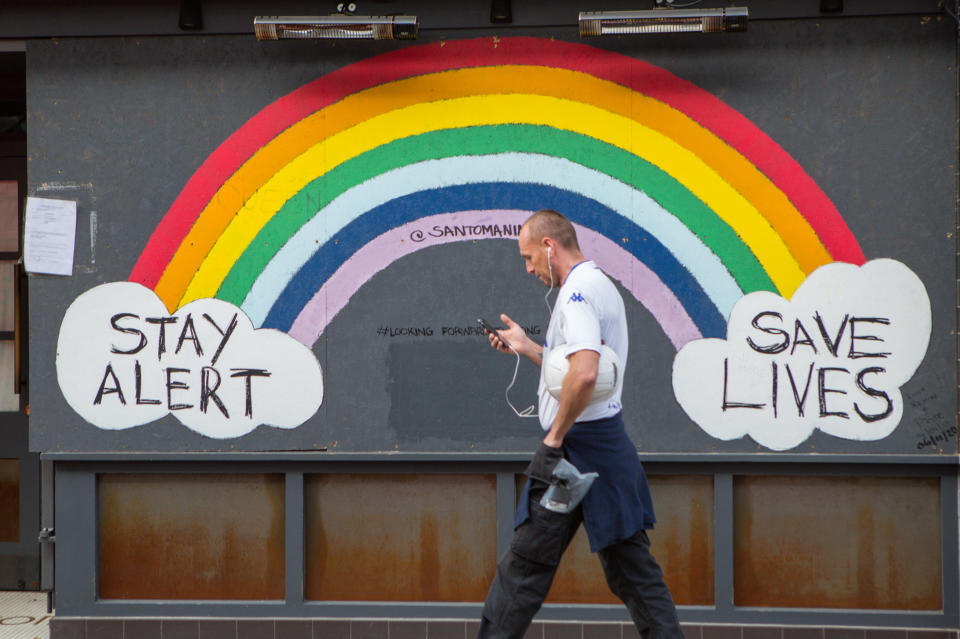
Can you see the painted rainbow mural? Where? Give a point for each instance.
(679, 197)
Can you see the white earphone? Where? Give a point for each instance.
(550, 268)
(546, 298)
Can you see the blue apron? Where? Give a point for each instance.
(619, 503)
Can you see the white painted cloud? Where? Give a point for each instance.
(123, 360)
(833, 357)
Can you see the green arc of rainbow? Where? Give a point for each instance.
(584, 150)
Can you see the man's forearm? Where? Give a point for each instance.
(575, 394)
(534, 353)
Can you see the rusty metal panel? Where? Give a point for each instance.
(682, 543)
(410, 537)
(197, 536)
(837, 542)
(683, 540)
(9, 500)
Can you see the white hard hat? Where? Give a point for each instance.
(556, 365)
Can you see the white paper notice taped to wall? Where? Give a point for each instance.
(50, 231)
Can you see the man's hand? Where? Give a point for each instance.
(509, 339)
(544, 461)
(514, 338)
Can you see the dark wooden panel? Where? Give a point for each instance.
(9, 215)
(9, 500)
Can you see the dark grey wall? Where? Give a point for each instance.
(866, 106)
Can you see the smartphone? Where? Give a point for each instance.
(487, 326)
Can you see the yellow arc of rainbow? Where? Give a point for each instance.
(726, 181)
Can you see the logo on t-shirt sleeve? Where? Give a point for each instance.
(576, 297)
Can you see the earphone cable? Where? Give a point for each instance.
(529, 410)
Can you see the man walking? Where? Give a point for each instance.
(587, 314)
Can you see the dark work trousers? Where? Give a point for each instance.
(526, 571)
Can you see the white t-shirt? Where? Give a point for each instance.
(588, 313)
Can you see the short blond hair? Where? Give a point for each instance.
(549, 223)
